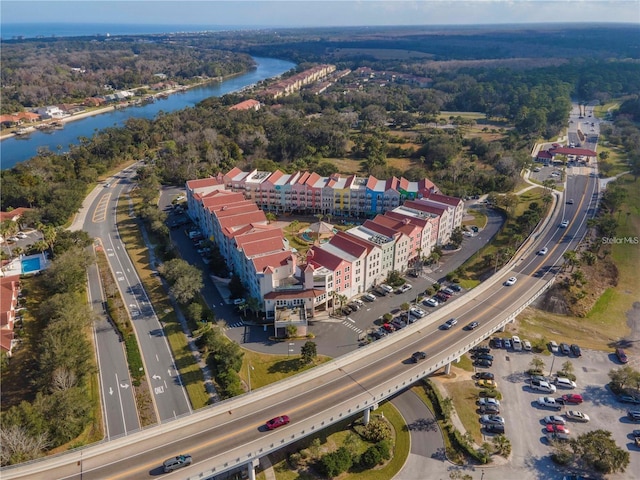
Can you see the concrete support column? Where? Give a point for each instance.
(367, 416)
(447, 368)
(251, 468)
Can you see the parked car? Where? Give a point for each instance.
(175, 463)
(565, 349)
(497, 342)
(418, 356)
(555, 428)
(417, 312)
(507, 343)
(445, 293)
(399, 324)
(346, 310)
(492, 420)
(483, 363)
(544, 387)
(553, 346)
(577, 416)
(563, 382)
(537, 378)
(432, 302)
(629, 399)
(405, 288)
(353, 306)
(490, 409)
(634, 415)
(277, 422)
(488, 401)
(494, 428)
(526, 344)
(369, 297)
(511, 281)
(479, 349)
(472, 325)
(575, 349)
(448, 291)
(389, 327)
(548, 402)
(455, 287)
(573, 398)
(440, 297)
(449, 323)
(487, 384)
(485, 376)
(622, 356)
(484, 356)
(554, 419)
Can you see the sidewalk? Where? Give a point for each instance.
(206, 373)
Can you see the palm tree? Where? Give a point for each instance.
(294, 226)
(271, 217)
(571, 257)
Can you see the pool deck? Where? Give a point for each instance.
(15, 266)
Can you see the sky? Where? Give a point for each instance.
(312, 13)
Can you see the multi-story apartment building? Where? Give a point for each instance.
(411, 218)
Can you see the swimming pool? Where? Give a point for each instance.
(30, 265)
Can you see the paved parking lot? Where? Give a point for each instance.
(523, 419)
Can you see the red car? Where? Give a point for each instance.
(551, 428)
(572, 398)
(277, 422)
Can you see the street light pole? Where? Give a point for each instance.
(249, 368)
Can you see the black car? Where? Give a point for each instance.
(629, 399)
(494, 428)
(485, 376)
(575, 349)
(346, 310)
(634, 415)
(565, 349)
(399, 324)
(417, 356)
(479, 349)
(484, 356)
(497, 342)
(455, 287)
(482, 362)
(472, 325)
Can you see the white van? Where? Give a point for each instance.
(386, 287)
(516, 343)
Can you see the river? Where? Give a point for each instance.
(18, 149)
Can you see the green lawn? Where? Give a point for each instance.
(334, 436)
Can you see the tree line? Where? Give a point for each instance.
(38, 72)
(62, 363)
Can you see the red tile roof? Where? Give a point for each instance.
(572, 151)
(349, 244)
(438, 197)
(205, 182)
(292, 294)
(13, 214)
(322, 258)
(260, 247)
(273, 260)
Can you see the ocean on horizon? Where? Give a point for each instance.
(10, 31)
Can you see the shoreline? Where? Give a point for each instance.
(111, 108)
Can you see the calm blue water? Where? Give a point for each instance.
(34, 30)
(30, 265)
(18, 149)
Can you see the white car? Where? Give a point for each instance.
(432, 302)
(545, 387)
(416, 312)
(511, 281)
(405, 288)
(370, 297)
(526, 344)
(543, 251)
(488, 401)
(577, 416)
(553, 346)
(564, 224)
(555, 420)
(21, 235)
(548, 402)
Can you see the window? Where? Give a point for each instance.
(346, 269)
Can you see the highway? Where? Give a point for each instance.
(232, 433)
(168, 394)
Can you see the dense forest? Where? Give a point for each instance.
(53, 71)
(367, 124)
